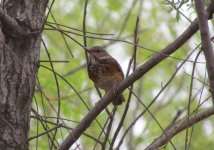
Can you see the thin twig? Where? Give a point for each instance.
(102, 131)
(74, 91)
(55, 61)
(111, 116)
(76, 29)
(49, 117)
(43, 133)
(84, 28)
(153, 101)
(58, 27)
(37, 124)
(115, 40)
(199, 102)
(46, 128)
(189, 100)
(58, 90)
(133, 59)
(147, 109)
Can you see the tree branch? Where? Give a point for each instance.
(206, 42)
(137, 74)
(178, 127)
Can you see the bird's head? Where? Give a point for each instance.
(97, 52)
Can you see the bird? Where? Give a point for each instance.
(104, 71)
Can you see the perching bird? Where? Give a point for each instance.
(104, 71)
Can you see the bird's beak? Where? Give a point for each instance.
(87, 50)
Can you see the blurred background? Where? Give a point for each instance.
(65, 94)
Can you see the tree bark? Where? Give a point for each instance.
(21, 22)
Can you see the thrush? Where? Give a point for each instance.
(104, 71)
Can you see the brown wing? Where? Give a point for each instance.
(115, 68)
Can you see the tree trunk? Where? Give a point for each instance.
(21, 22)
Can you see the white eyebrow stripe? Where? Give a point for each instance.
(105, 57)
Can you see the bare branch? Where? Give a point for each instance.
(58, 27)
(133, 60)
(206, 42)
(111, 118)
(137, 74)
(152, 102)
(84, 28)
(58, 90)
(76, 29)
(178, 127)
(55, 61)
(44, 133)
(189, 101)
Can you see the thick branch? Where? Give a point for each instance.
(19, 58)
(9, 22)
(178, 127)
(137, 74)
(206, 42)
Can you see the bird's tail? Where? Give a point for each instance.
(119, 100)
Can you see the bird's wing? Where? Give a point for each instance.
(115, 67)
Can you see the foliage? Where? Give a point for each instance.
(159, 24)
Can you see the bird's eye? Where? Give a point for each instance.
(98, 51)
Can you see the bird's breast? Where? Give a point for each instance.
(99, 74)
(104, 75)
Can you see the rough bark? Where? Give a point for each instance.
(19, 57)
